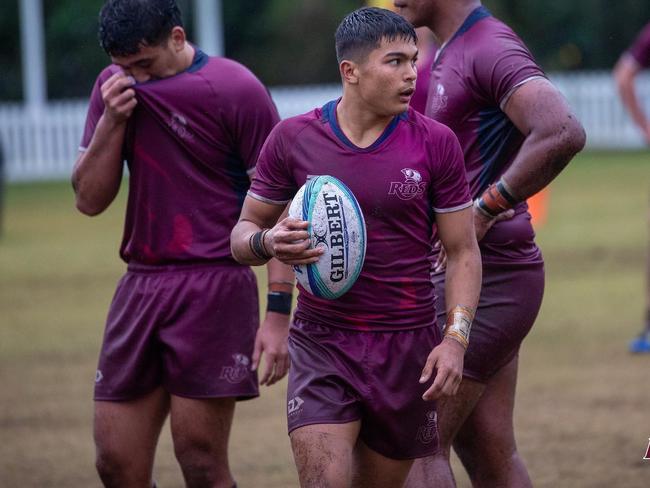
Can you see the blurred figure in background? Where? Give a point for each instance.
(630, 64)
(517, 133)
(426, 53)
(182, 332)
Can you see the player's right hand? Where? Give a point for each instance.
(119, 97)
(289, 242)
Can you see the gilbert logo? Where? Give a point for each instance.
(337, 233)
(647, 452)
(411, 187)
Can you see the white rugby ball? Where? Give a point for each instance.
(337, 225)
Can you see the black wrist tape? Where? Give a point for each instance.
(278, 301)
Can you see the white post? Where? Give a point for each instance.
(33, 54)
(208, 20)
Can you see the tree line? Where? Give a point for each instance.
(289, 42)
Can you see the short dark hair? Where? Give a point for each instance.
(363, 30)
(126, 25)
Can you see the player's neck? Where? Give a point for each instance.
(360, 125)
(450, 17)
(185, 57)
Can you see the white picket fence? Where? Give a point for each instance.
(43, 144)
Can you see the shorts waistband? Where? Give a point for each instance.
(171, 268)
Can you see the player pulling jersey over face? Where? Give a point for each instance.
(182, 333)
(194, 135)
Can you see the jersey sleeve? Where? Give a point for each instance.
(501, 66)
(640, 49)
(450, 190)
(95, 111)
(273, 181)
(254, 115)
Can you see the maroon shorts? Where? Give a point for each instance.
(511, 296)
(340, 375)
(190, 329)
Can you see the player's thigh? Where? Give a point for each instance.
(488, 432)
(372, 470)
(201, 427)
(323, 453)
(453, 411)
(126, 432)
(207, 341)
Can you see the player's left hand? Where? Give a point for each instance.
(446, 359)
(271, 340)
(482, 223)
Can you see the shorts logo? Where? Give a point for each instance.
(411, 187)
(647, 452)
(294, 405)
(178, 124)
(237, 373)
(429, 430)
(98, 376)
(437, 101)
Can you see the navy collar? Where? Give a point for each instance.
(198, 62)
(479, 13)
(329, 115)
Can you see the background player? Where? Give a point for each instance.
(181, 329)
(517, 134)
(631, 63)
(356, 408)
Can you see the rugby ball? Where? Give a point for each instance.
(337, 225)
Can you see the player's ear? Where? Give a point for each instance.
(349, 71)
(177, 38)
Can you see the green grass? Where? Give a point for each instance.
(582, 400)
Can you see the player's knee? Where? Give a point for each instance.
(202, 463)
(114, 470)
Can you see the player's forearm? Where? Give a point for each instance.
(627, 91)
(240, 243)
(280, 276)
(463, 276)
(97, 172)
(545, 152)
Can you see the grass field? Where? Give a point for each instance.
(583, 401)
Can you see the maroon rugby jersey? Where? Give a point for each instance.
(473, 76)
(640, 50)
(191, 143)
(412, 171)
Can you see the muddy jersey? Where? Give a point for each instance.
(472, 78)
(190, 145)
(411, 172)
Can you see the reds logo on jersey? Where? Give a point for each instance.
(411, 187)
(437, 101)
(238, 372)
(429, 430)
